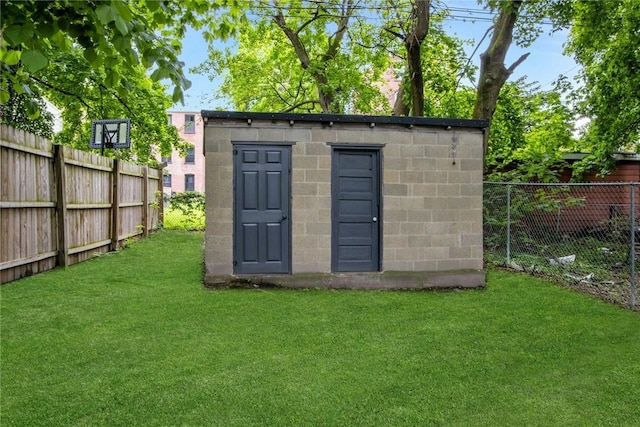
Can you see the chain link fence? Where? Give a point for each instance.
(184, 211)
(585, 235)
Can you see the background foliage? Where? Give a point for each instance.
(99, 59)
(185, 211)
(106, 59)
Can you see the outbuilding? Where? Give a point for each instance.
(343, 201)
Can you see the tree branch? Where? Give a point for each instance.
(336, 39)
(518, 62)
(300, 104)
(275, 90)
(422, 25)
(390, 31)
(313, 18)
(115, 94)
(486, 33)
(57, 89)
(299, 48)
(412, 43)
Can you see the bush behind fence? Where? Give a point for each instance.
(585, 235)
(184, 211)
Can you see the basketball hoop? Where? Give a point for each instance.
(110, 134)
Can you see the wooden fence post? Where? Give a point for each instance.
(115, 205)
(61, 204)
(161, 197)
(145, 201)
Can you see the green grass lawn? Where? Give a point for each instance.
(132, 338)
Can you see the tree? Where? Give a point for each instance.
(91, 58)
(531, 131)
(145, 104)
(493, 72)
(412, 31)
(604, 39)
(303, 56)
(519, 18)
(14, 113)
(264, 72)
(115, 34)
(318, 66)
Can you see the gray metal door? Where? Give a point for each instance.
(262, 194)
(355, 210)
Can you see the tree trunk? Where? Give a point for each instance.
(399, 107)
(493, 72)
(413, 44)
(412, 38)
(415, 77)
(326, 95)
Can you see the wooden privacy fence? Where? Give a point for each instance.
(60, 206)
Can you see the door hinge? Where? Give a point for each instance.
(235, 152)
(235, 263)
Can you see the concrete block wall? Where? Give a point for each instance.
(311, 206)
(432, 186)
(432, 192)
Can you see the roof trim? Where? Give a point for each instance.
(347, 118)
(619, 157)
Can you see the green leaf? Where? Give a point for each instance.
(33, 109)
(122, 10)
(91, 55)
(178, 95)
(121, 25)
(17, 34)
(4, 96)
(159, 74)
(11, 57)
(18, 88)
(61, 41)
(159, 18)
(111, 61)
(112, 79)
(104, 14)
(153, 5)
(34, 60)
(47, 29)
(120, 43)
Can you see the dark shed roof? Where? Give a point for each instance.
(347, 118)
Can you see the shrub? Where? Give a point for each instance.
(185, 211)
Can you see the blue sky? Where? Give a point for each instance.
(544, 64)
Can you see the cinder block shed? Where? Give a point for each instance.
(343, 201)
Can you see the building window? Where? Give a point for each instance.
(191, 155)
(189, 183)
(170, 119)
(166, 159)
(166, 180)
(189, 123)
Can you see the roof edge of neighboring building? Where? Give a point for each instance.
(347, 118)
(620, 156)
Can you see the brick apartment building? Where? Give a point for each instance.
(185, 173)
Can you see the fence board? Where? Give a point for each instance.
(59, 205)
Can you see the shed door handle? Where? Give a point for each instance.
(375, 219)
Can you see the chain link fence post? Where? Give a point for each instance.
(509, 225)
